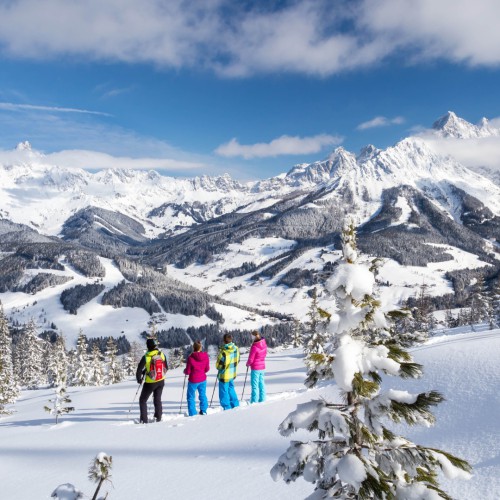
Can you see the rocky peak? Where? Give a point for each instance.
(24, 146)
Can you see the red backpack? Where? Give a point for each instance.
(157, 367)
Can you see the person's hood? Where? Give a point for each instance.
(230, 347)
(199, 356)
(260, 345)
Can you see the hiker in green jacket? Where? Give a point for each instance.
(226, 364)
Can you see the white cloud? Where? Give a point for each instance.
(317, 37)
(84, 141)
(480, 152)
(9, 106)
(284, 145)
(95, 160)
(456, 30)
(380, 121)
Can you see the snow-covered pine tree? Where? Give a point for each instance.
(100, 470)
(478, 302)
(297, 334)
(423, 320)
(29, 355)
(57, 362)
(356, 456)
(175, 357)
(81, 360)
(132, 358)
(494, 303)
(96, 369)
(59, 402)
(9, 391)
(315, 336)
(114, 370)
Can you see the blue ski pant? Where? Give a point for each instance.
(227, 395)
(201, 387)
(258, 386)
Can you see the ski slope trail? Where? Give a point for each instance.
(226, 454)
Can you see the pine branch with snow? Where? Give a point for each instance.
(357, 455)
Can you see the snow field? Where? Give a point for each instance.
(230, 453)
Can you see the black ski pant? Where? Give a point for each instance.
(155, 388)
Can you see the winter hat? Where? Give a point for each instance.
(150, 344)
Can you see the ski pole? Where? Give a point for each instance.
(182, 397)
(215, 385)
(244, 384)
(133, 401)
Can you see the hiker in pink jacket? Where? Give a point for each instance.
(197, 367)
(257, 363)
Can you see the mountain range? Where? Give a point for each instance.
(411, 204)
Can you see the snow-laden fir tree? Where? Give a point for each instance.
(132, 358)
(57, 362)
(423, 319)
(59, 403)
(297, 334)
(478, 302)
(494, 303)
(175, 357)
(29, 357)
(356, 456)
(81, 362)
(96, 369)
(100, 470)
(315, 335)
(9, 391)
(114, 369)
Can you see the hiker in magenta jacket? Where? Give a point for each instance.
(257, 363)
(197, 367)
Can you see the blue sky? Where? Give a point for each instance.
(248, 88)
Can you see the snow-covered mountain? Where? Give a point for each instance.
(44, 196)
(451, 125)
(271, 238)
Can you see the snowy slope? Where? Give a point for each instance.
(227, 454)
(95, 319)
(403, 281)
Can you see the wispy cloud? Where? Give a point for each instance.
(96, 160)
(381, 121)
(107, 90)
(88, 142)
(477, 152)
(317, 37)
(10, 106)
(284, 145)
